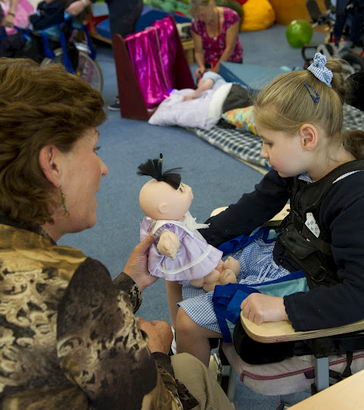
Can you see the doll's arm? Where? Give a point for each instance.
(168, 244)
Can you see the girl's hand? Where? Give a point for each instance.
(260, 308)
(137, 265)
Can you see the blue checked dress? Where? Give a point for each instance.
(256, 266)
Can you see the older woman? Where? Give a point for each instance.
(215, 32)
(68, 334)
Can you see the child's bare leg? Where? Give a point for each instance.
(192, 338)
(174, 295)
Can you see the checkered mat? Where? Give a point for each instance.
(246, 146)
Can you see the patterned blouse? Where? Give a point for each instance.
(68, 335)
(214, 47)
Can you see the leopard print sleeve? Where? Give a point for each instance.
(101, 349)
(126, 285)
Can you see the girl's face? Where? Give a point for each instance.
(283, 151)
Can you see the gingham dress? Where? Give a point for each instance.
(256, 266)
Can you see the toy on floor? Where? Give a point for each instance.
(180, 253)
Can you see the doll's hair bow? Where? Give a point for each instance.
(153, 168)
(319, 70)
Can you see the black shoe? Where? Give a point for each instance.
(115, 106)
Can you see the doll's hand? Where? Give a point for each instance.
(159, 335)
(168, 244)
(137, 265)
(260, 308)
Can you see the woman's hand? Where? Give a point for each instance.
(9, 20)
(260, 308)
(137, 265)
(159, 333)
(216, 68)
(199, 72)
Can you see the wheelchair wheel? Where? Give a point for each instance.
(87, 68)
(355, 63)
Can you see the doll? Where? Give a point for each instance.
(180, 253)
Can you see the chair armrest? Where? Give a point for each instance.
(280, 215)
(282, 331)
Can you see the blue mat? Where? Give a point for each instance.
(148, 17)
(252, 76)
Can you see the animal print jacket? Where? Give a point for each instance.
(68, 335)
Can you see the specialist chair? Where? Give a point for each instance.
(307, 361)
(311, 367)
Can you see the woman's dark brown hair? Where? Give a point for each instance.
(38, 106)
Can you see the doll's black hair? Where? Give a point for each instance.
(153, 168)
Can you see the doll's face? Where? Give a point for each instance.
(159, 200)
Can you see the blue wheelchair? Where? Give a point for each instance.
(68, 43)
(73, 38)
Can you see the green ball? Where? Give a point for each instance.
(299, 33)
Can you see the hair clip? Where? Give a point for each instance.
(319, 70)
(313, 93)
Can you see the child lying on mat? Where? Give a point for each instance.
(201, 108)
(209, 81)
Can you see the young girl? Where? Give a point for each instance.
(299, 117)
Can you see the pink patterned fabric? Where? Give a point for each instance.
(23, 10)
(214, 47)
(152, 54)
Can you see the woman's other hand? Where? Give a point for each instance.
(137, 265)
(9, 20)
(260, 308)
(159, 333)
(77, 7)
(199, 72)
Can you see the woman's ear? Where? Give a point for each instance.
(49, 163)
(309, 136)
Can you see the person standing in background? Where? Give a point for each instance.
(215, 33)
(9, 16)
(123, 15)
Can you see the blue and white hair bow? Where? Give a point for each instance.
(319, 70)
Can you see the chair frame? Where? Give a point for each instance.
(282, 331)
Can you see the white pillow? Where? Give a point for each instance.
(191, 113)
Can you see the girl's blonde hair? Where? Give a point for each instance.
(289, 102)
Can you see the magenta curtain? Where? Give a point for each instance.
(153, 55)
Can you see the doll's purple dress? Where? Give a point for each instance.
(195, 257)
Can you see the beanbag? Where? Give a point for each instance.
(258, 15)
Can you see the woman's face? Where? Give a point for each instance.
(205, 13)
(82, 172)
